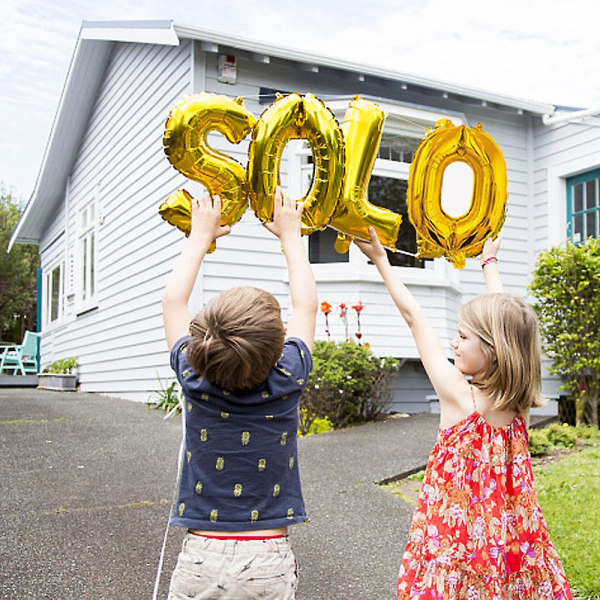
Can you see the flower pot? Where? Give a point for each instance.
(57, 382)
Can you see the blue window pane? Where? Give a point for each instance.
(578, 228)
(578, 197)
(590, 193)
(590, 224)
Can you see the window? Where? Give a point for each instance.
(87, 255)
(583, 206)
(55, 293)
(387, 188)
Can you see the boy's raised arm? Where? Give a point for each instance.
(287, 218)
(206, 216)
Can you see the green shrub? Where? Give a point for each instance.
(539, 444)
(64, 366)
(348, 385)
(318, 425)
(587, 432)
(561, 435)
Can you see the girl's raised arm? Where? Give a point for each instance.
(450, 385)
(489, 264)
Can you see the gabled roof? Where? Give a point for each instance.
(86, 72)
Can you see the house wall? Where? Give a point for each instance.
(121, 163)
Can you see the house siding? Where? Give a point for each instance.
(121, 166)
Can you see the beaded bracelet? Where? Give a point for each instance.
(488, 260)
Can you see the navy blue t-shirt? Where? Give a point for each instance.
(240, 468)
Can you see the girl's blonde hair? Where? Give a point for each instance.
(237, 338)
(510, 339)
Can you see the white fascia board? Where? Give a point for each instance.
(143, 32)
(297, 55)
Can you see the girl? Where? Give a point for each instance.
(478, 531)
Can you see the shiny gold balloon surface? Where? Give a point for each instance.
(296, 117)
(177, 210)
(439, 234)
(186, 147)
(354, 214)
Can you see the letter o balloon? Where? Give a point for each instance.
(439, 234)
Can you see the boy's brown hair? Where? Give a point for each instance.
(237, 338)
(510, 338)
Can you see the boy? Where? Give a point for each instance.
(242, 379)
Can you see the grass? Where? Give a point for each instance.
(568, 492)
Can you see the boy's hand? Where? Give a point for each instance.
(373, 249)
(206, 218)
(287, 216)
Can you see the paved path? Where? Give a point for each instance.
(86, 483)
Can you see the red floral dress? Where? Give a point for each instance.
(478, 531)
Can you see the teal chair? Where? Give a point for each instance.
(21, 360)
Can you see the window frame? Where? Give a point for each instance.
(47, 295)
(570, 183)
(86, 265)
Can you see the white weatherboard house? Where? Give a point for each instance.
(106, 253)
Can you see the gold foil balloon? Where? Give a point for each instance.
(354, 214)
(186, 147)
(177, 210)
(439, 234)
(296, 117)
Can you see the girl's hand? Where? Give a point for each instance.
(490, 248)
(206, 218)
(373, 249)
(287, 216)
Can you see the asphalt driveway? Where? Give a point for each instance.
(87, 483)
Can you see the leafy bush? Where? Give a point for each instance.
(539, 444)
(318, 425)
(64, 366)
(561, 435)
(566, 287)
(348, 385)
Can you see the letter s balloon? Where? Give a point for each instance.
(185, 144)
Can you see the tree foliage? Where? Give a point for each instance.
(18, 287)
(566, 286)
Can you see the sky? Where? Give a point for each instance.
(534, 49)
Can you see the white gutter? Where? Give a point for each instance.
(577, 115)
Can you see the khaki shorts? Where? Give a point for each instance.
(210, 569)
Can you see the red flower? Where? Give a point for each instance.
(325, 307)
(358, 307)
(343, 310)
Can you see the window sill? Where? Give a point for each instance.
(349, 273)
(84, 309)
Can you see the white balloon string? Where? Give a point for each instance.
(174, 501)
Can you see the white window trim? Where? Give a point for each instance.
(401, 119)
(47, 295)
(89, 303)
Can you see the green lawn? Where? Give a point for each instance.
(569, 494)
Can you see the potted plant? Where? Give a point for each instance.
(61, 375)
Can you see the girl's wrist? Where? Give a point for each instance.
(488, 260)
